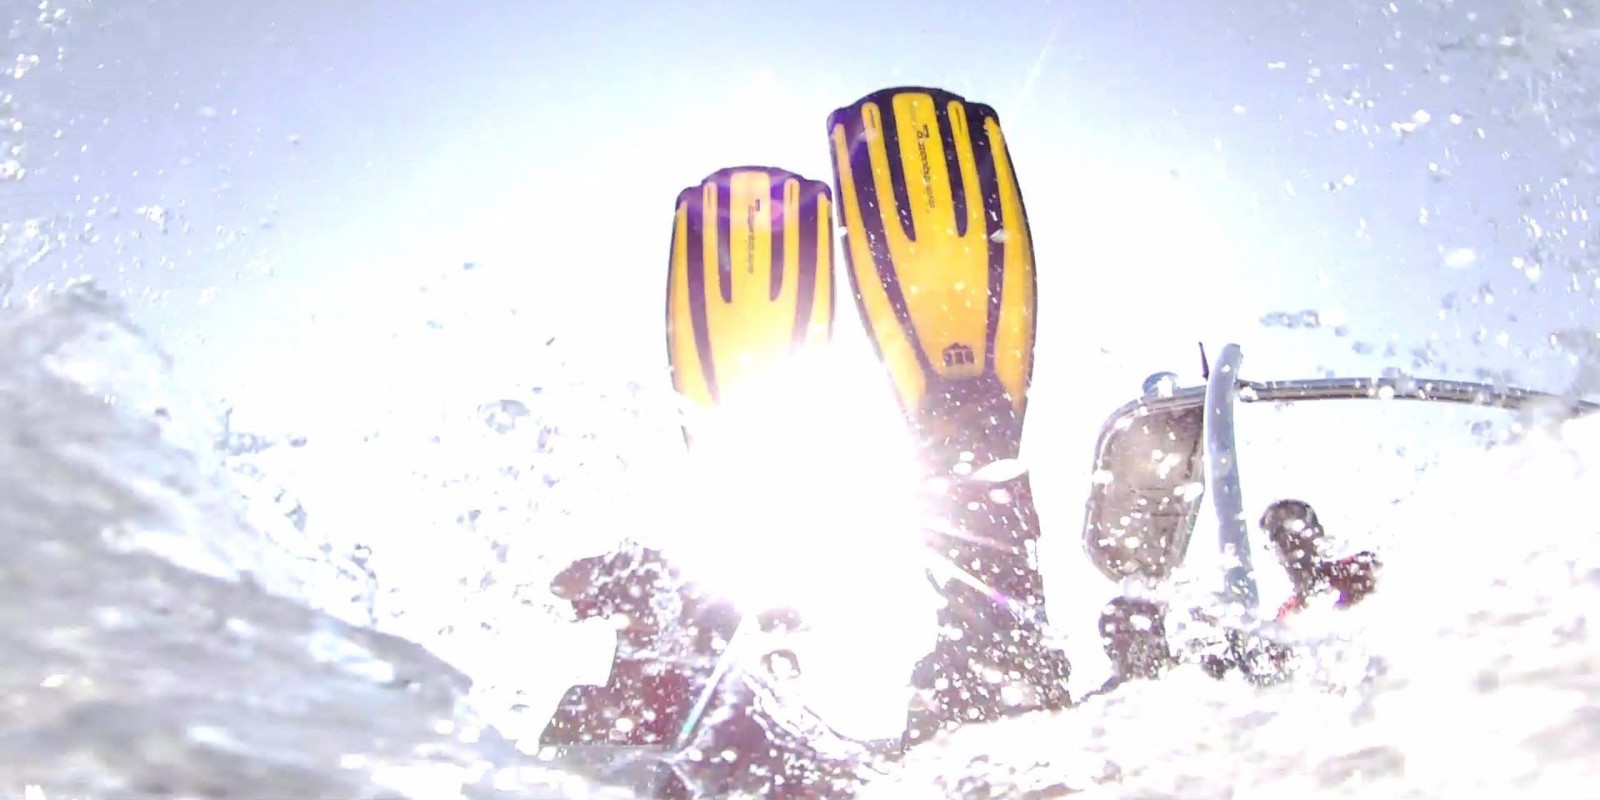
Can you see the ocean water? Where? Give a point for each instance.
(185, 629)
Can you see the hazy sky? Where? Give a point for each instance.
(1176, 160)
(1188, 169)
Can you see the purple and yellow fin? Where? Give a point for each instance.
(750, 282)
(938, 247)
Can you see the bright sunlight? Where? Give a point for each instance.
(807, 494)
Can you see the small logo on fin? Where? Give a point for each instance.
(923, 135)
(750, 214)
(959, 355)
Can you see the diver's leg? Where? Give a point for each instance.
(992, 658)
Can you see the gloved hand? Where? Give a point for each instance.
(1353, 578)
(628, 581)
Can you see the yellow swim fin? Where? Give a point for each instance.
(750, 281)
(940, 256)
(941, 263)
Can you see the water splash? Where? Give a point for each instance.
(1494, 623)
(158, 643)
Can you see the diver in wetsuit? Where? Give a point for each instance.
(1300, 542)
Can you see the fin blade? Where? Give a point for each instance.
(937, 239)
(750, 278)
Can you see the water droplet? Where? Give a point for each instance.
(504, 415)
(1160, 384)
(1460, 258)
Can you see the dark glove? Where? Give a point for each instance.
(622, 582)
(1353, 578)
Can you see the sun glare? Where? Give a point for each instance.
(806, 493)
